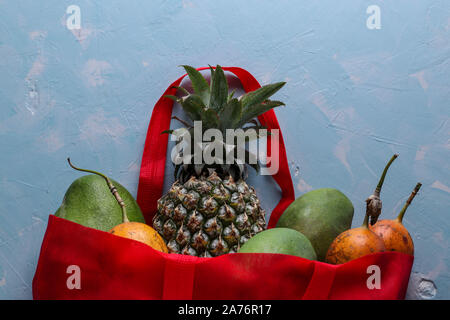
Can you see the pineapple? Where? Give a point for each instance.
(210, 210)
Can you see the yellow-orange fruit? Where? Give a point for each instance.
(353, 244)
(395, 236)
(140, 232)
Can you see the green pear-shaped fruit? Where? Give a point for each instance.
(280, 240)
(90, 202)
(321, 215)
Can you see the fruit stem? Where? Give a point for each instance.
(380, 183)
(111, 187)
(365, 223)
(408, 202)
(374, 203)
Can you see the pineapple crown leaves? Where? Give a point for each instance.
(216, 107)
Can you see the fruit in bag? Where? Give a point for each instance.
(280, 240)
(131, 230)
(358, 242)
(354, 243)
(140, 232)
(88, 202)
(394, 234)
(320, 215)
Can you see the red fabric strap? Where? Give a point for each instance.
(179, 273)
(319, 286)
(151, 177)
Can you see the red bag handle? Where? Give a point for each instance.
(151, 177)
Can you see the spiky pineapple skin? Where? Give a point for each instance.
(208, 216)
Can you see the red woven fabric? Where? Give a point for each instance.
(116, 268)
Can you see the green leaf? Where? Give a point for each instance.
(178, 133)
(219, 90)
(258, 109)
(199, 83)
(210, 119)
(171, 97)
(182, 89)
(193, 106)
(230, 96)
(212, 71)
(230, 115)
(261, 94)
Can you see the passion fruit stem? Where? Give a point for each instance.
(374, 203)
(408, 202)
(365, 223)
(383, 175)
(111, 187)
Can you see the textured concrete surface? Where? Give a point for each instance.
(354, 97)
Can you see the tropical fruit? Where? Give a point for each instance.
(209, 216)
(140, 232)
(394, 234)
(210, 210)
(358, 242)
(88, 201)
(132, 230)
(320, 215)
(280, 240)
(354, 243)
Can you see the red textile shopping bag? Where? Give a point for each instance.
(110, 267)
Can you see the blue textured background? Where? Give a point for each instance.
(354, 97)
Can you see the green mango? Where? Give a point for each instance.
(89, 202)
(280, 240)
(321, 215)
